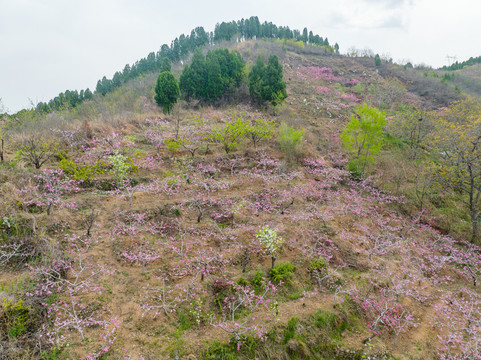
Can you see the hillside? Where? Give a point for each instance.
(124, 245)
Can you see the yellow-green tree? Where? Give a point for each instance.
(456, 166)
(363, 136)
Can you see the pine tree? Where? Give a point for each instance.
(166, 91)
(214, 87)
(273, 88)
(255, 77)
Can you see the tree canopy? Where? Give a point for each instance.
(166, 91)
(265, 82)
(363, 136)
(209, 78)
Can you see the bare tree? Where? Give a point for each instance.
(37, 150)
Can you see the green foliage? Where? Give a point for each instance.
(217, 350)
(377, 60)
(230, 133)
(260, 129)
(184, 320)
(273, 88)
(166, 91)
(17, 318)
(255, 77)
(165, 64)
(290, 140)
(290, 330)
(173, 144)
(455, 161)
(282, 272)
(213, 89)
(317, 337)
(363, 136)
(318, 266)
(81, 172)
(258, 279)
(332, 323)
(242, 282)
(265, 82)
(209, 78)
(53, 354)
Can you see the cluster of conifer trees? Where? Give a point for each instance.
(178, 50)
(218, 74)
(209, 78)
(460, 65)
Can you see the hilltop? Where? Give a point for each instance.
(131, 244)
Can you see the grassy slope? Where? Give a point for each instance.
(328, 209)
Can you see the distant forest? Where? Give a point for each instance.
(460, 65)
(179, 49)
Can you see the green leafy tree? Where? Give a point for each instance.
(363, 136)
(456, 160)
(260, 129)
(230, 133)
(166, 91)
(377, 60)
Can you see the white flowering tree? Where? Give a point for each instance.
(270, 241)
(120, 167)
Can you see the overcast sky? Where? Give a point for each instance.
(49, 46)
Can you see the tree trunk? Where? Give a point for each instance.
(474, 237)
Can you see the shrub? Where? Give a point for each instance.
(258, 279)
(290, 331)
(282, 272)
(317, 267)
(172, 144)
(218, 350)
(17, 318)
(82, 172)
(290, 140)
(331, 323)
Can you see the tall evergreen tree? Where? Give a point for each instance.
(214, 88)
(255, 77)
(166, 91)
(305, 38)
(165, 64)
(273, 88)
(187, 84)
